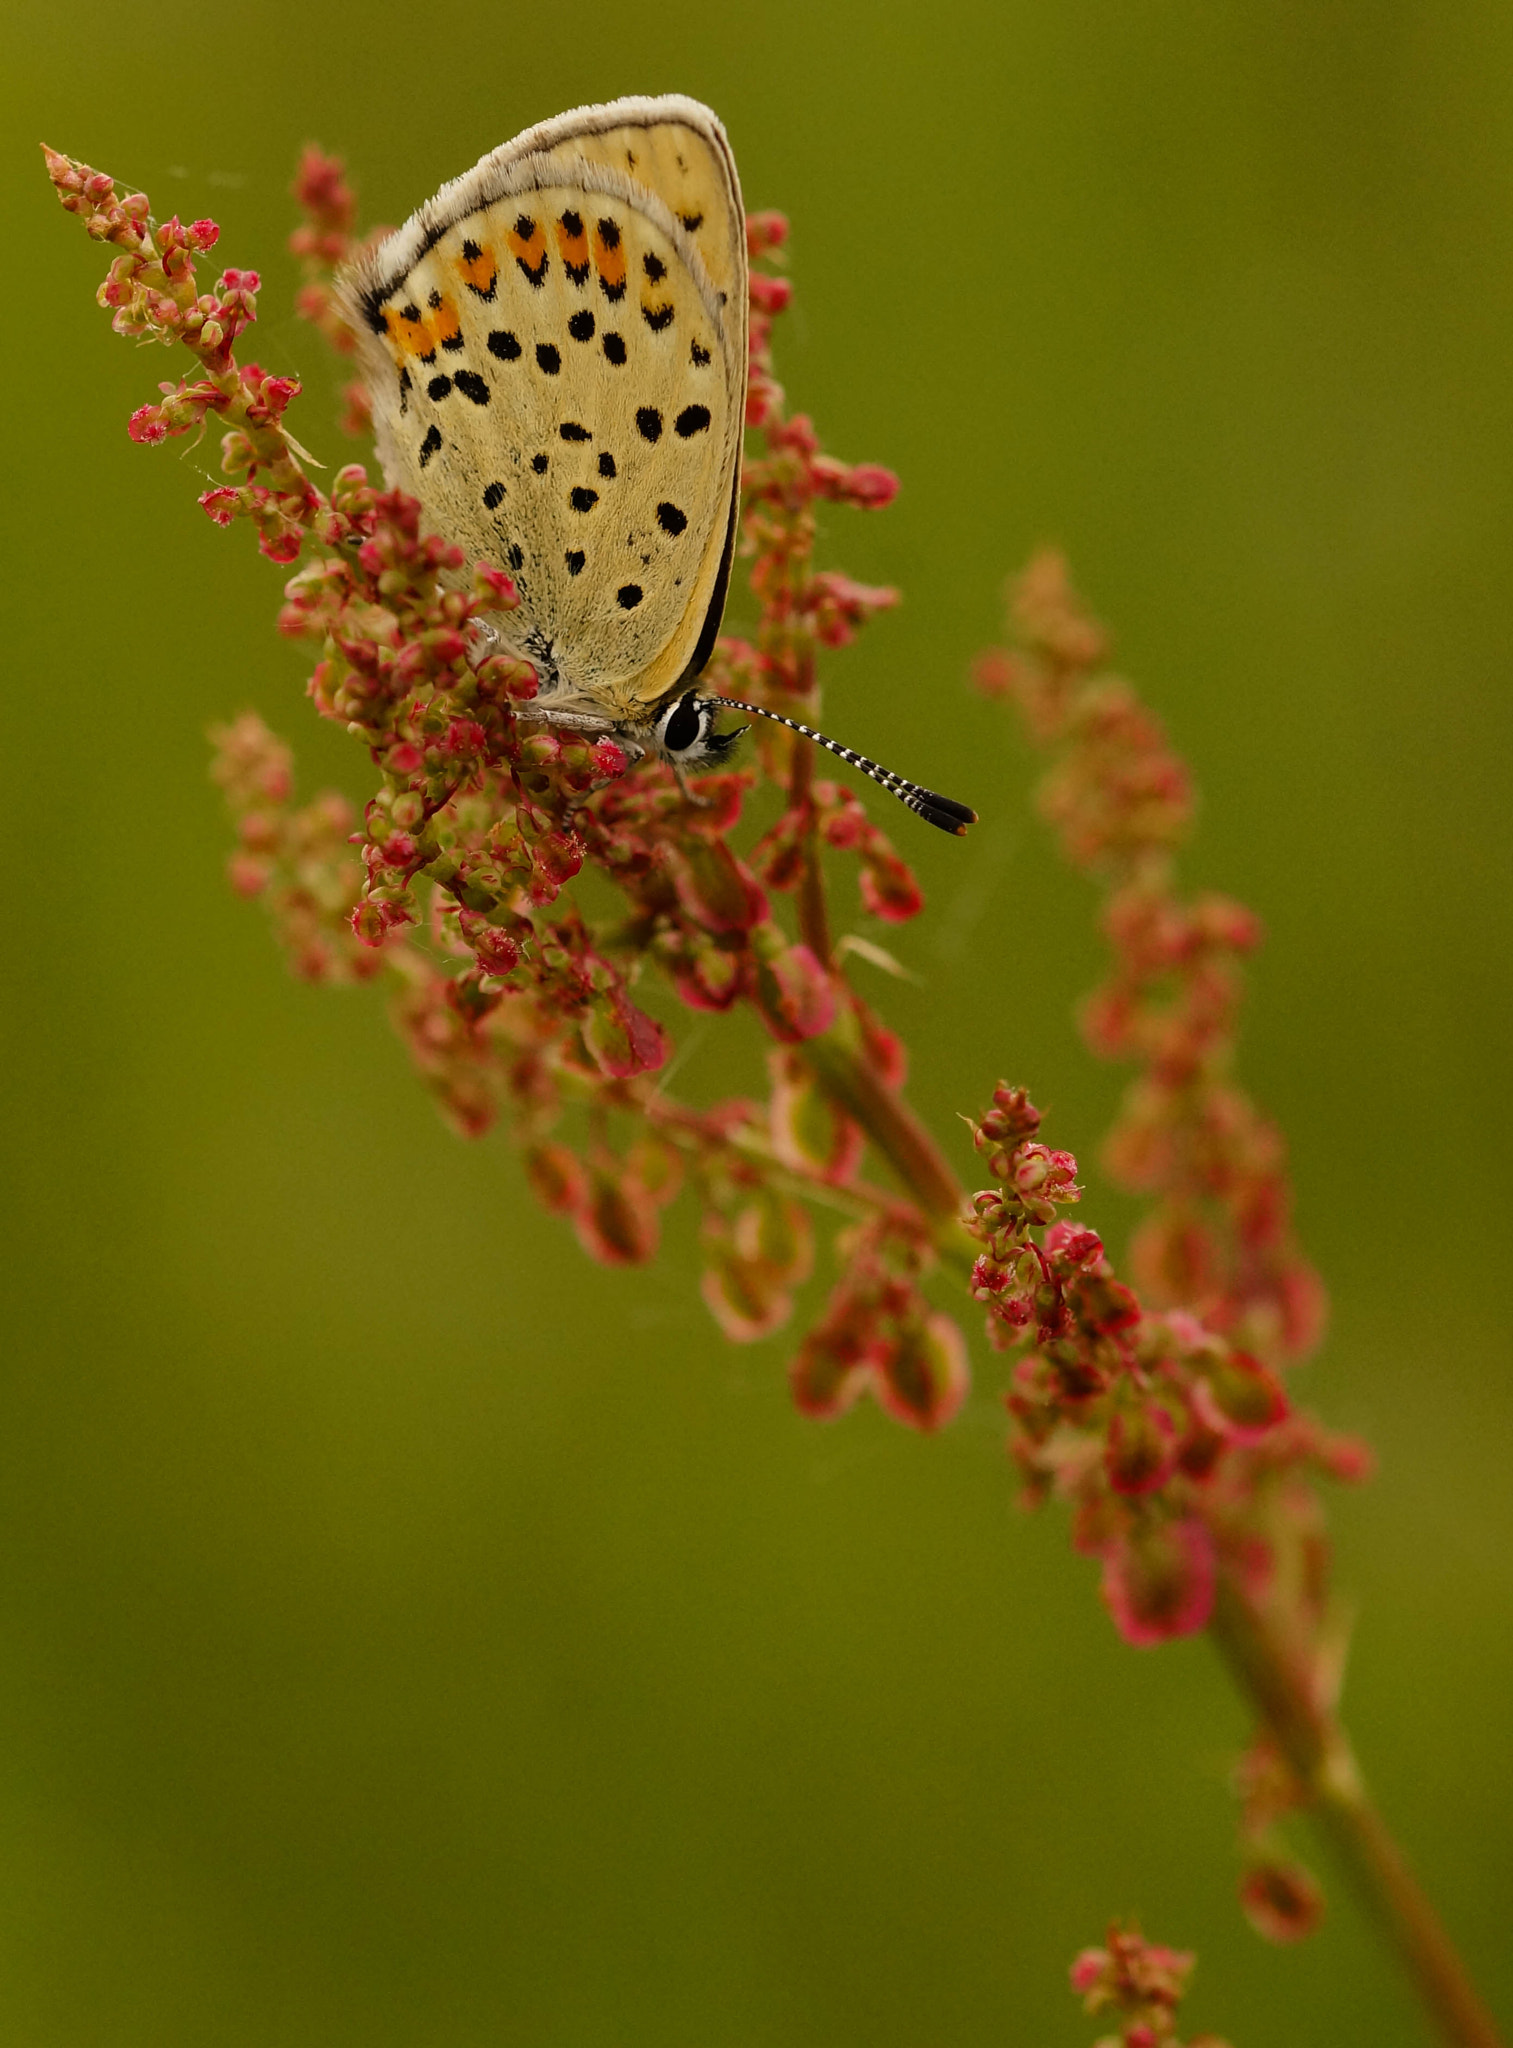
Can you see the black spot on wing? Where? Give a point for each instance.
(614, 349)
(582, 499)
(649, 420)
(504, 345)
(700, 356)
(493, 496)
(670, 518)
(606, 464)
(575, 558)
(629, 596)
(430, 445)
(657, 317)
(581, 326)
(692, 221)
(571, 431)
(405, 388)
(538, 463)
(654, 267)
(515, 555)
(548, 358)
(438, 387)
(693, 419)
(471, 385)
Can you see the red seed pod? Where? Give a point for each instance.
(1140, 1454)
(557, 1178)
(809, 1133)
(794, 996)
(495, 950)
(715, 888)
(742, 1295)
(616, 1224)
(1159, 1580)
(829, 1373)
(1282, 1901)
(925, 1376)
(622, 1039)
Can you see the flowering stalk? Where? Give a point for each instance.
(455, 886)
(1157, 1408)
(1161, 1410)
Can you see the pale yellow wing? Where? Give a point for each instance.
(558, 375)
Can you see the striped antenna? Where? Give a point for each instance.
(936, 810)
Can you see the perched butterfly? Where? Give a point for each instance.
(555, 347)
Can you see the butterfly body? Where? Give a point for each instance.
(555, 347)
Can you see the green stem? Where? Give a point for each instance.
(839, 1063)
(1317, 1747)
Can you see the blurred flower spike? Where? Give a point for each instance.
(1140, 1985)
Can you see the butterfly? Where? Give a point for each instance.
(555, 348)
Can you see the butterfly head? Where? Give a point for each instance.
(685, 733)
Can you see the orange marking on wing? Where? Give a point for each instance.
(410, 337)
(479, 271)
(574, 247)
(448, 329)
(611, 260)
(528, 249)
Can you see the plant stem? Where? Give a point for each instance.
(1318, 1748)
(841, 1066)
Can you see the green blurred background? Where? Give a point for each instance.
(414, 1634)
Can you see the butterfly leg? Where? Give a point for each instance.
(690, 794)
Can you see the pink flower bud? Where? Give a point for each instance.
(497, 953)
(870, 485)
(369, 924)
(769, 294)
(221, 505)
(1088, 1969)
(147, 425)
(765, 232)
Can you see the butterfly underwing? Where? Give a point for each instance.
(555, 347)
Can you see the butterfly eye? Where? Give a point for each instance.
(682, 726)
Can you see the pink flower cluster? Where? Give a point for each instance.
(1139, 1983)
(1163, 1435)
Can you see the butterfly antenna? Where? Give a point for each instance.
(936, 810)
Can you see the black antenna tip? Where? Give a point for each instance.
(943, 812)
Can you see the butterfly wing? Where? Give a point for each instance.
(557, 356)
